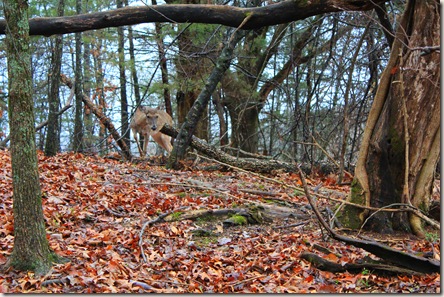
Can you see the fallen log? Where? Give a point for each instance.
(326, 265)
(254, 165)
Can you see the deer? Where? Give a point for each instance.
(148, 121)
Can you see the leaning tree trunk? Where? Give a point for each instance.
(188, 128)
(31, 249)
(400, 147)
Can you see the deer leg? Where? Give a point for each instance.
(137, 142)
(146, 137)
(163, 140)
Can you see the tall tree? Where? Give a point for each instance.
(52, 144)
(401, 143)
(192, 69)
(100, 89)
(88, 136)
(31, 249)
(77, 141)
(122, 77)
(163, 66)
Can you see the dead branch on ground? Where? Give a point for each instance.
(400, 258)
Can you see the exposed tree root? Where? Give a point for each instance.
(374, 266)
(400, 258)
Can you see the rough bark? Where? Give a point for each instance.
(77, 141)
(279, 13)
(192, 70)
(124, 118)
(163, 67)
(52, 144)
(31, 249)
(400, 147)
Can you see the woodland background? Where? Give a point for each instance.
(321, 87)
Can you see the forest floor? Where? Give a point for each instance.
(96, 208)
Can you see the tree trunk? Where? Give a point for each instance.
(400, 148)
(265, 15)
(77, 141)
(244, 128)
(163, 66)
(52, 144)
(31, 250)
(100, 93)
(124, 119)
(346, 125)
(190, 72)
(88, 137)
(133, 64)
(223, 128)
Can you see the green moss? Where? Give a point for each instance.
(206, 218)
(39, 265)
(350, 216)
(176, 215)
(297, 192)
(238, 220)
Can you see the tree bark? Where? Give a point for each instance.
(31, 249)
(88, 137)
(163, 67)
(400, 148)
(77, 141)
(124, 118)
(52, 144)
(347, 103)
(278, 13)
(253, 164)
(191, 71)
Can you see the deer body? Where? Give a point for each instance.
(148, 121)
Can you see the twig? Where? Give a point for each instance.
(145, 286)
(290, 226)
(243, 281)
(57, 281)
(159, 218)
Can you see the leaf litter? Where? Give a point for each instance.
(95, 209)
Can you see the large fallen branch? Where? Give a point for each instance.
(400, 258)
(279, 12)
(326, 265)
(262, 166)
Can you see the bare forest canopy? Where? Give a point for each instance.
(246, 18)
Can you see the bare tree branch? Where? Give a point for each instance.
(274, 14)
